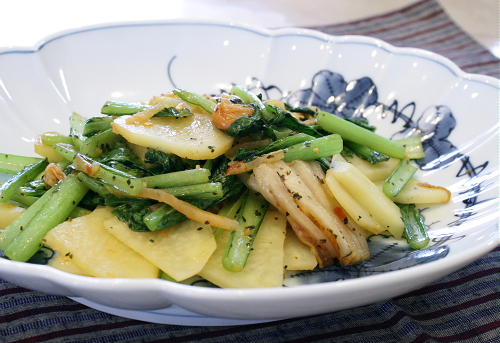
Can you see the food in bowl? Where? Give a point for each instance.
(227, 188)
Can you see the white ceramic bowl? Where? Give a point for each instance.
(458, 113)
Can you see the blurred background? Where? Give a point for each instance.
(25, 22)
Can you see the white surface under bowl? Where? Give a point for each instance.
(399, 90)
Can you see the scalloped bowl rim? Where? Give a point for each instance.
(447, 264)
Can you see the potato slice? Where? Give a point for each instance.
(194, 137)
(47, 151)
(181, 251)
(298, 256)
(9, 213)
(264, 267)
(375, 172)
(367, 194)
(66, 264)
(359, 214)
(95, 251)
(418, 192)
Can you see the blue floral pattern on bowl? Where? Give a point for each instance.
(330, 92)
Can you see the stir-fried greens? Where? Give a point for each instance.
(224, 183)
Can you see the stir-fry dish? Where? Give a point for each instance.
(229, 188)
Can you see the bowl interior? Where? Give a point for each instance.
(401, 91)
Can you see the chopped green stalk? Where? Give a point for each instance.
(93, 184)
(415, 228)
(180, 178)
(202, 191)
(230, 210)
(362, 122)
(62, 202)
(67, 151)
(314, 149)
(196, 99)
(51, 138)
(117, 108)
(288, 141)
(366, 153)
(95, 125)
(165, 216)
(247, 97)
(399, 178)
(94, 146)
(12, 186)
(239, 246)
(413, 146)
(285, 142)
(113, 177)
(76, 124)
(23, 199)
(13, 164)
(357, 134)
(17, 226)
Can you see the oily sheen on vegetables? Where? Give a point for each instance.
(228, 189)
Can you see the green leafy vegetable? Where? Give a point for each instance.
(365, 152)
(305, 110)
(167, 163)
(173, 112)
(95, 125)
(117, 108)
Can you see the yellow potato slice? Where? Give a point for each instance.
(47, 151)
(66, 264)
(181, 251)
(418, 192)
(9, 213)
(354, 209)
(298, 256)
(194, 137)
(264, 267)
(369, 196)
(375, 172)
(95, 251)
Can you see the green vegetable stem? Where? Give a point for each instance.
(399, 178)
(314, 149)
(415, 228)
(12, 186)
(12, 164)
(61, 203)
(357, 134)
(180, 178)
(117, 108)
(196, 99)
(239, 246)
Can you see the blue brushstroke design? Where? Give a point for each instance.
(387, 254)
